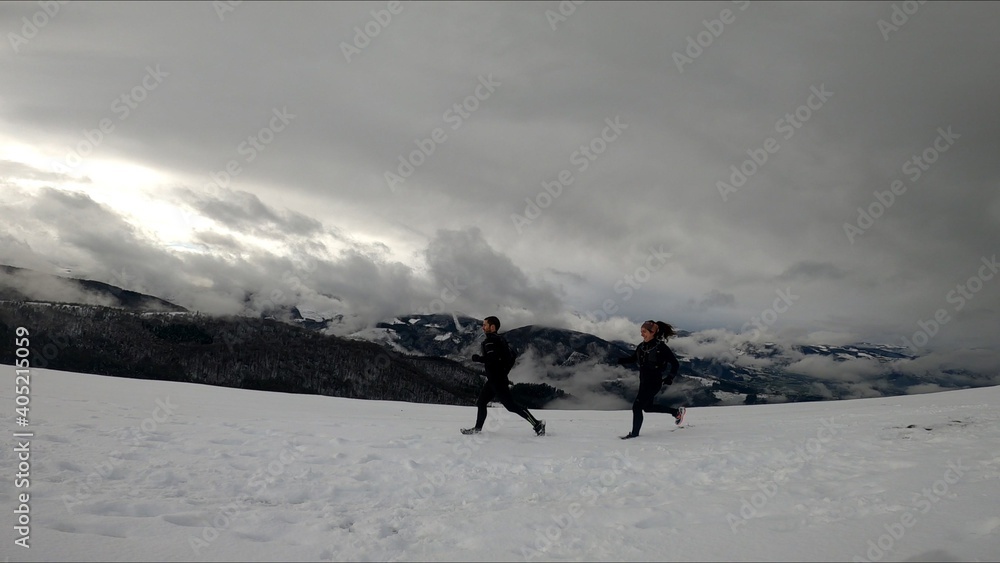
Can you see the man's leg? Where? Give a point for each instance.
(507, 399)
(485, 396)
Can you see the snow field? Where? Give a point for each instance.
(128, 469)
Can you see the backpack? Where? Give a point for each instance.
(511, 356)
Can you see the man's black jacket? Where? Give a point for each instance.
(495, 355)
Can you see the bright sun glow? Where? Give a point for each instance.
(139, 193)
(147, 199)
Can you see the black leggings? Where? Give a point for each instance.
(501, 391)
(648, 388)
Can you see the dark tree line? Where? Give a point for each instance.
(227, 351)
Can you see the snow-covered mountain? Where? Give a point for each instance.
(734, 372)
(716, 367)
(454, 337)
(458, 337)
(21, 284)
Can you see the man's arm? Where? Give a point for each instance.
(491, 354)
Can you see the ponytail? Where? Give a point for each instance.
(665, 330)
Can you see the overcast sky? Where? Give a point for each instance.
(828, 169)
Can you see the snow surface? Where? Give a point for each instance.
(138, 470)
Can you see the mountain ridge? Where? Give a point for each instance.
(572, 368)
(23, 284)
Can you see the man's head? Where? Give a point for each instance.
(491, 324)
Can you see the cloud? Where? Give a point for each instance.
(963, 367)
(583, 382)
(713, 299)
(833, 369)
(717, 344)
(480, 278)
(15, 251)
(808, 270)
(358, 282)
(44, 287)
(20, 170)
(868, 154)
(244, 212)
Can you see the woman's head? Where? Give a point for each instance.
(648, 330)
(654, 329)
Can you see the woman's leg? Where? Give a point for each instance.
(643, 401)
